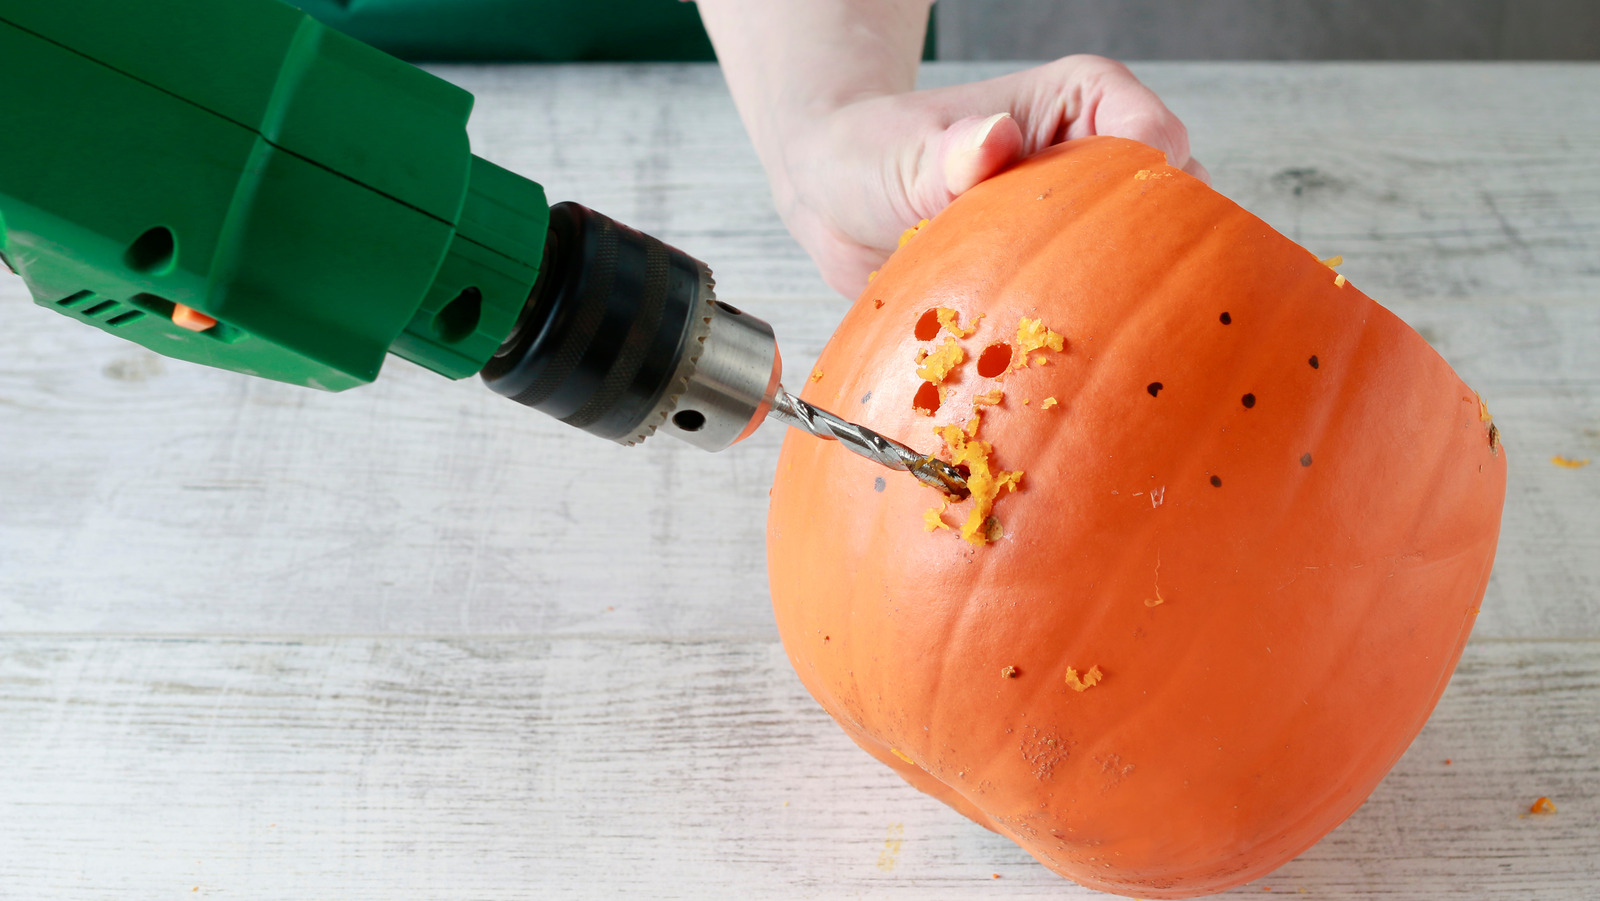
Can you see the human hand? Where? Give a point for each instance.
(855, 155)
(849, 180)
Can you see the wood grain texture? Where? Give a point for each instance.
(148, 495)
(1434, 180)
(514, 661)
(584, 768)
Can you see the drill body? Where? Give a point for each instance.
(313, 196)
(232, 183)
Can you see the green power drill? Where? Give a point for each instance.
(232, 183)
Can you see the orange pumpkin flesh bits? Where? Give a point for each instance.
(1032, 335)
(951, 321)
(910, 233)
(984, 483)
(938, 364)
(1086, 681)
(1047, 403)
(1543, 805)
(991, 397)
(1403, 474)
(1569, 462)
(933, 519)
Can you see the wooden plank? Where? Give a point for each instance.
(149, 495)
(581, 768)
(1393, 165)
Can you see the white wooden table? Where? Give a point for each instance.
(415, 642)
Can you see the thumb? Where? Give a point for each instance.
(973, 149)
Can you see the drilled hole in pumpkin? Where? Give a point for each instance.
(927, 399)
(965, 470)
(1225, 319)
(1315, 363)
(928, 326)
(1154, 388)
(1249, 400)
(1216, 481)
(994, 360)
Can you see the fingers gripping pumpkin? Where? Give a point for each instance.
(1231, 524)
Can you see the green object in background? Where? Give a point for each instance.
(532, 30)
(316, 197)
(529, 30)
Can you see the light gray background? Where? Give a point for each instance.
(1270, 29)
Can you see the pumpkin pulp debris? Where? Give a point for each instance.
(985, 484)
(1032, 335)
(1085, 682)
(951, 322)
(937, 365)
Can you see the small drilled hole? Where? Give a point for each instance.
(927, 400)
(728, 308)
(1315, 364)
(928, 326)
(1216, 481)
(153, 252)
(459, 318)
(1305, 459)
(1249, 400)
(1225, 319)
(689, 420)
(994, 360)
(1154, 388)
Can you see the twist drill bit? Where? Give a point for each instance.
(930, 470)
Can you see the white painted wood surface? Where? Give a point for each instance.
(538, 768)
(412, 641)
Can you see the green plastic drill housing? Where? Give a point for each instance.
(314, 196)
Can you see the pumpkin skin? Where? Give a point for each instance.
(1270, 645)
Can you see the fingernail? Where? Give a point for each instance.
(978, 135)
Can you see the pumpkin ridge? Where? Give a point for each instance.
(1143, 310)
(1039, 697)
(1232, 220)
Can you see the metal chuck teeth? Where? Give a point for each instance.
(694, 342)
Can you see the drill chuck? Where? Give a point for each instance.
(623, 335)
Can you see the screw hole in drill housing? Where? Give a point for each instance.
(154, 252)
(459, 318)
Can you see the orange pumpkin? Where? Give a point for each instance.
(1249, 539)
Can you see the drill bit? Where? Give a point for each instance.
(930, 470)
